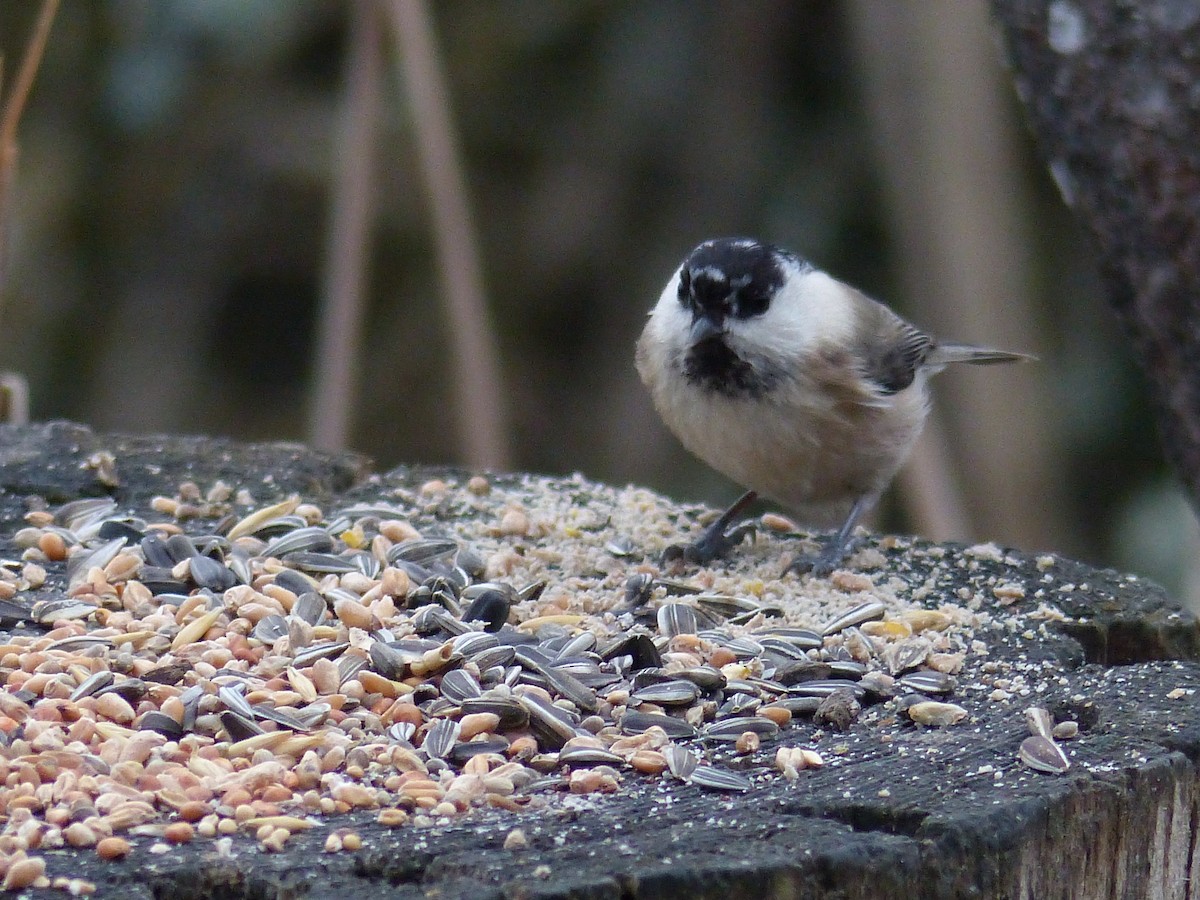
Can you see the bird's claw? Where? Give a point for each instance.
(713, 544)
(823, 563)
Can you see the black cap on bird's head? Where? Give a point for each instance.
(730, 278)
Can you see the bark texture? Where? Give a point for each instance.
(1112, 90)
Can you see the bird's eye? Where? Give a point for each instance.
(752, 304)
(685, 288)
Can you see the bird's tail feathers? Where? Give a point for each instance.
(944, 354)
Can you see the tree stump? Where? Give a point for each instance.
(898, 809)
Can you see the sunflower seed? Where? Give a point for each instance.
(583, 755)
(80, 642)
(234, 698)
(634, 722)
(80, 564)
(639, 648)
(799, 706)
(676, 692)
(170, 674)
(583, 642)
(739, 705)
(349, 665)
(132, 530)
(77, 515)
(47, 611)
(131, 689)
(238, 727)
(209, 573)
(435, 619)
(570, 687)
(825, 687)
(424, 551)
(310, 607)
(512, 713)
(1043, 755)
(296, 582)
(322, 650)
(495, 656)
(676, 618)
(928, 682)
(464, 750)
(459, 685)
(474, 642)
(162, 723)
(681, 762)
(271, 628)
(321, 563)
(849, 669)
(401, 731)
(551, 724)
(732, 729)
(279, 716)
(743, 647)
(864, 612)
(801, 671)
(638, 588)
(309, 539)
(92, 684)
(720, 779)
(782, 650)
(798, 637)
(490, 604)
(440, 738)
(706, 678)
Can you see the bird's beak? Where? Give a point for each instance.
(704, 328)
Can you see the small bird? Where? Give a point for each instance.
(791, 383)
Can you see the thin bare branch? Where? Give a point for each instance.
(339, 328)
(932, 499)
(479, 400)
(11, 116)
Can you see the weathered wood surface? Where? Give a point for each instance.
(1110, 93)
(900, 811)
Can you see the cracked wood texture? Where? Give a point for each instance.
(1111, 92)
(898, 811)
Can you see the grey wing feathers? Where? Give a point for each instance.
(895, 350)
(894, 365)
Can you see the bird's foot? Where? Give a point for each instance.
(713, 544)
(822, 563)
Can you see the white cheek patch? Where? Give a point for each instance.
(810, 309)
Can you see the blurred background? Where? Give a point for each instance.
(432, 235)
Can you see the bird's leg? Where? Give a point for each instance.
(718, 539)
(836, 551)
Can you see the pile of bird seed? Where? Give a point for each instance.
(215, 666)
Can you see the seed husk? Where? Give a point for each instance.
(936, 714)
(1043, 755)
(1040, 722)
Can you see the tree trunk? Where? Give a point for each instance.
(1113, 94)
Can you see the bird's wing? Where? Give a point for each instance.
(892, 349)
